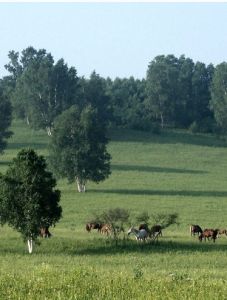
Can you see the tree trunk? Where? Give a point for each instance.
(30, 245)
(27, 121)
(162, 120)
(80, 185)
(49, 131)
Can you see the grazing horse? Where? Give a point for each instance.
(155, 231)
(141, 235)
(44, 232)
(93, 225)
(106, 229)
(144, 226)
(195, 229)
(207, 234)
(222, 231)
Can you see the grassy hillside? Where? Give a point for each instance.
(174, 172)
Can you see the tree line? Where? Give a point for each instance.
(76, 112)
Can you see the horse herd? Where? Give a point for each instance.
(212, 234)
(141, 234)
(144, 232)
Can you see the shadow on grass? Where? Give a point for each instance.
(162, 192)
(167, 137)
(101, 246)
(154, 169)
(17, 146)
(150, 247)
(5, 163)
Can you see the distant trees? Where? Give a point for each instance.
(28, 198)
(162, 80)
(5, 117)
(219, 95)
(127, 103)
(42, 88)
(178, 91)
(78, 146)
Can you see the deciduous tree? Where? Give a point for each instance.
(78, 147)
(28, 198)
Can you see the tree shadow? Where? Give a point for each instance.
(171, 136)
(16, 146)
(108, 247)
(162, 192)
(154, 169)
(5, 163)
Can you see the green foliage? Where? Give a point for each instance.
(218, 101)
(42, 89)
(28, 199)
(165, 219)
(127, 102)
(94, 94)
(178, 91)
(143, 217)
(117, 218)
(78, 146)
(5, 117)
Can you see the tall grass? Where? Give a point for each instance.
(174, 172)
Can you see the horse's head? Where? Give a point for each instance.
(130, 230)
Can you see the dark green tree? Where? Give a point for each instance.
(78, 147)
(42, 89)
(5, 117)
(28, 198)
(218, 101)
(94, 93)
(201, 83)
(127, 102)
(162, 88)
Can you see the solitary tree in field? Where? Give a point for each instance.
(28, 198)
(78, 147)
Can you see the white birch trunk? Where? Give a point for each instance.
(48, 129)
(162, 120)
(80, 185)
(27, 120)
(30, 245)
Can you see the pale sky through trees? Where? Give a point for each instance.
(115, 39)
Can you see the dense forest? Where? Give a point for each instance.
(175, 93)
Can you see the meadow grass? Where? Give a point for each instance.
(172, 172)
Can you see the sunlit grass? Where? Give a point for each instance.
(174, 172)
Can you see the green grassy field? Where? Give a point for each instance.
(173, 172)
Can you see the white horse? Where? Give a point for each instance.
(141, 235)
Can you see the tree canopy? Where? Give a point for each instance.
(219, 95)
(28, 198)
(5, 117)
(78, 147)
(42, 88)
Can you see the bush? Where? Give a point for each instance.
(206, 125)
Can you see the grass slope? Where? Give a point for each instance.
(174, 172)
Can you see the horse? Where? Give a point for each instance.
(207, 234)
(155, 231)
(106, 229)
(44, 232)
(93, 225)
(141, 235)
(195, 229)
